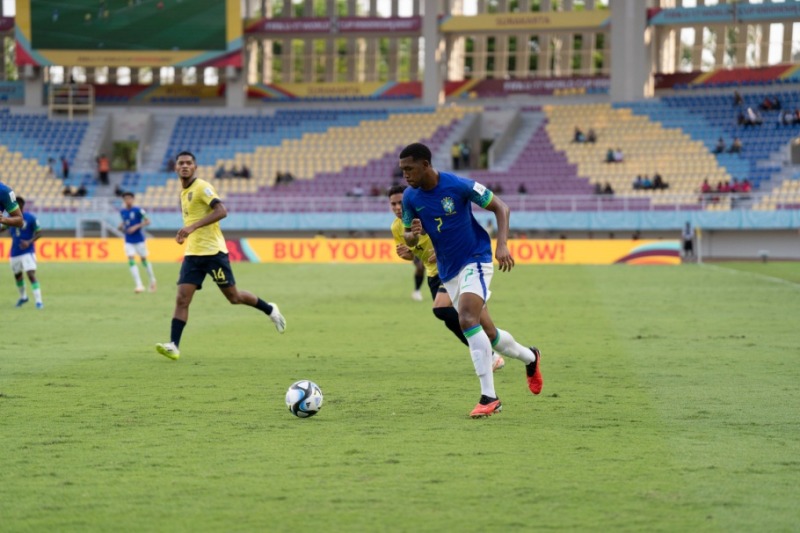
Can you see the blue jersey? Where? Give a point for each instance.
(26, 233)
(131, 217)
(8, 201)
(446, 215)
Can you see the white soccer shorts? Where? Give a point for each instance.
(23, 263)
(139, 248)
(474, 278)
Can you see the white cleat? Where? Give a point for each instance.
(138, 289)
(168, 350)
(152, 286)
(416, 296)
(497, 362)
(277, 318)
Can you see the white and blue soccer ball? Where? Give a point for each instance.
(304, 398)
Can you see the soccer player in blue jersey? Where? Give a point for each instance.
(23, 255)
(134, 220)
(439, 204)
(8, 205)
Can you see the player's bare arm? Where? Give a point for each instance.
(502, 214)
(219, 212)
(404, 252)
(14, 218)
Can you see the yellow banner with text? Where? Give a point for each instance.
(323, 250)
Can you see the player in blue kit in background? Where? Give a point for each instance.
(439, 204)
(23, 255)
(134, 220)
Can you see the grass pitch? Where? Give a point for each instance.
(670, 404)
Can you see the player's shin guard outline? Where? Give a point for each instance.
(505, 344)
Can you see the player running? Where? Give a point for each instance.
(206, 253)
(23, 255)
(440, 204)
(442, 306)
(134, 220)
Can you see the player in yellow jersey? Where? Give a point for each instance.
(442, 305)
(206, 254)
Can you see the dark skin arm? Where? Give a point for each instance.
(503, 215)
(14, 218)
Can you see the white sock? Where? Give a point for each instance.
(150, 273)
(480, 348)
(21, 289)
(506, 345)
(136, 278)
(37, 295)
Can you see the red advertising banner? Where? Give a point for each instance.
(336, 25)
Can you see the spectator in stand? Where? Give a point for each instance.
(720, 146)
(646, 183)
(522, 189)
(736, 146)
(735, 186)
(591, 136)
(357, 191)
(705, 188)
(746, 187)
(659, 183)
(81, 192)
(64, 167)
(610, 155)
(638, 183)
(397, 175)
(220, 172)
(766, 104)
(618, 156)
(465, 154)
(776, 104)
(724, 187)
(50, 170)
(497, 188)
(578, 136)
(235, 172)
(608, 189)
(170, 165)
(283, 178)
(737, 98)
(797, 114)
(245, 172)
(103, 168)
(752, 118)
(455, 154)
(598, 188)
(374, 190)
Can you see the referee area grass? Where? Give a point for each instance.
(128, 24)
(670, 403)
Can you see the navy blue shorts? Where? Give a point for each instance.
(195, 268)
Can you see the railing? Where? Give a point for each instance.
(281, 203)
(107, 208)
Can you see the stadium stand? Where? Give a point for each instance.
(648, 148)
(308, 144)
(31, 146)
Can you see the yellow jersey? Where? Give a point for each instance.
(423, 250)
(195, 204)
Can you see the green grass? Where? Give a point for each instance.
(178, 25)
(670, 404)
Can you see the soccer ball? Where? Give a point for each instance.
(304, 398)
